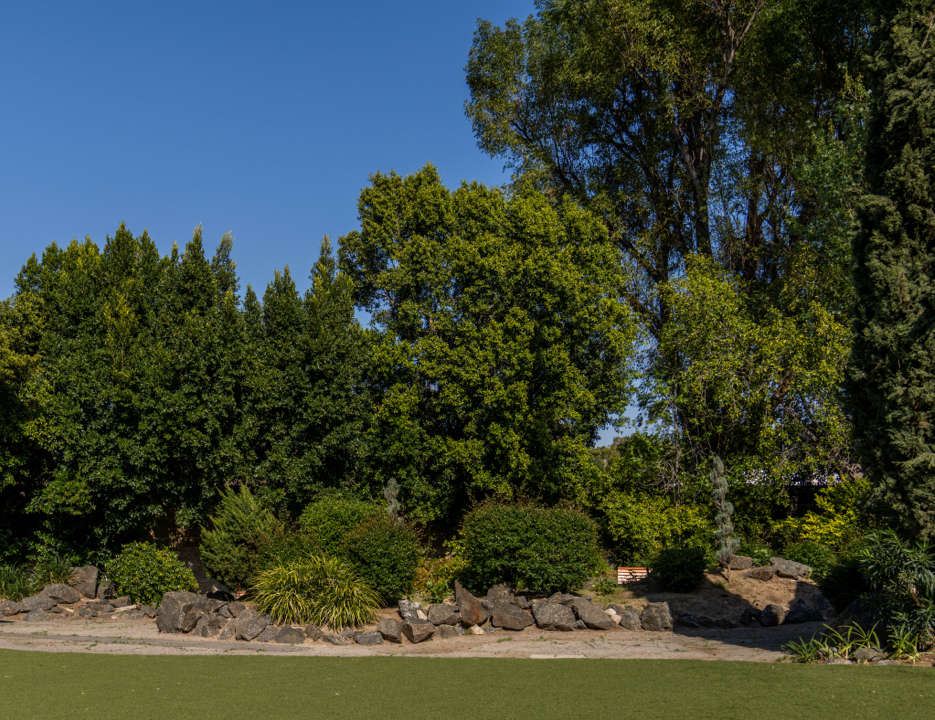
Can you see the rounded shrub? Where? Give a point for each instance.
(808, 552)
(316, 589)
(286, 546)
(146, 572)
(385, 553)
(680, 569)
(532, 548)
(329, 519)
(242, 527)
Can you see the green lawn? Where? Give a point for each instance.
(38, 685)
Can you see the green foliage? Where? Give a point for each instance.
(724, 535)
(840, 520)
(50, 570)
(759, 553)
(385, 553)
(328, 520)
(241, 527)
(819, 557)
(499, 346)
(316, 589)
(14, 583)
(435, 576)
(680, 569)
(843, 581)
(891, 385)
(146, 572)
(604, 586)
(832, 643)
(286, 545)
(532, 548)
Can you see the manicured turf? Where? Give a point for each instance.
(39, 685)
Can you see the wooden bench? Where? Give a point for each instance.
(631, 574)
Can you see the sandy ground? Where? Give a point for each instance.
(142, 637)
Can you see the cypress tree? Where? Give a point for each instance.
(891, 389)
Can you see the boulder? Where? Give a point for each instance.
(521, 602)
(290, 636)
(580, 625)
(251, 623)
(313, 632)
(148, 610)
(56, 610)
(447, 632)
(761, 573)
(799, 612)
(630, 620)
(391, 630)
(212, 605)
(369, 638)
(656, 617)
(619, 609)
(229, 631)
(470, 610)
(688, 619)
(836, 661)
(61, 593)
(209, 626)
(37, 602)
(553, 616)
(563, 598)
(236, 608)
(500, 594)
(8, 607)
(225, 611)
(750, 616)
(84, 580)
(173, 609)
(268, 635)
(85, 611)
(336, 639)
(106, 590)
(773, 615)
(859, 612)
(459, 591)
(134, 614)
(741, 562)
(124, 601)
(443, 615)
(351, 633)
(869, 654)
(509, 617)
(592, 615)
(38, 615)
(190, 619)
(889, 662)
(411, 611)
(823, 608)
(790, 568)
(417, 631)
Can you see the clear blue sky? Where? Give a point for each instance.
(264, 119)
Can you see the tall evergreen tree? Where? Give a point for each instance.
(891, 391)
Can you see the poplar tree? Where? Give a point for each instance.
(891, 390)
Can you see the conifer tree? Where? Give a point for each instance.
(891, 391)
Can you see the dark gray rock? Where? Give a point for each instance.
(190, 619)
(447, 632)
(61, 593)
(417, 631)
(236, 608)
(351, 633)
(790, 568)
(630, 620)
(799, 612)
(106, 590)
(229, 631)
(521, 602)
(592, 615)
(105, 608)
(39, 615)
(369, 638)
(37, 602)
(773, 615)
(470, 610)
(500, 594)
(336, 639)
(212, 605)
(688, 619)
(510, 617)
(208, 625)
(124, 601)
(741, 562)
(174, 607)
(290, 636)
(860, 612)
(889, 662)
(84, 611)
(563, 598)
(411, 610)
(869, 654)
(837, 661)
(251, 623)
(134, 614)
(761, 573)
(824, 608)
(268, 634)
(148, 610)
(553, 616)
(580, 625)
(458, 591)
(313, 632)
(391, 630)
(750, 617)
(225, 611)
(706, 621)
(444, 615)
(8, 607)
(84, 580)
(657, 617)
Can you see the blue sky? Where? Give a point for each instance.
(264, 119)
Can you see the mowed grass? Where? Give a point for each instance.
(38, 685)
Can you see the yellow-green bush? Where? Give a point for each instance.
(146, 572)
(837, 524)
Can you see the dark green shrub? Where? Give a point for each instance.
(14, 583)
(146, 572)
(680, 569)
(843, 581)
(819, 557)
(761, 554)
(50, 570)
(329, 519)
(322, 590)
(286, 546)
(535, 549)
(242, 527)
(385, 553)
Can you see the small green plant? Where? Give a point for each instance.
(14, 583)
(833, 643)
(50, 570)
(145, 572)
(385, 553)
(903, 642)
(760, 554)
(804, 651)
(808, 552)
(328, 520)
(241, 528)
(604, 586)
(318, 589)
(680, 569)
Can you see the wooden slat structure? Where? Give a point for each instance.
(631, 574)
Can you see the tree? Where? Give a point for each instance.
(724, 511)
(499, 347)
(891, 389)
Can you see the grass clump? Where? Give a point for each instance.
(317, 589)
(14, 583)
